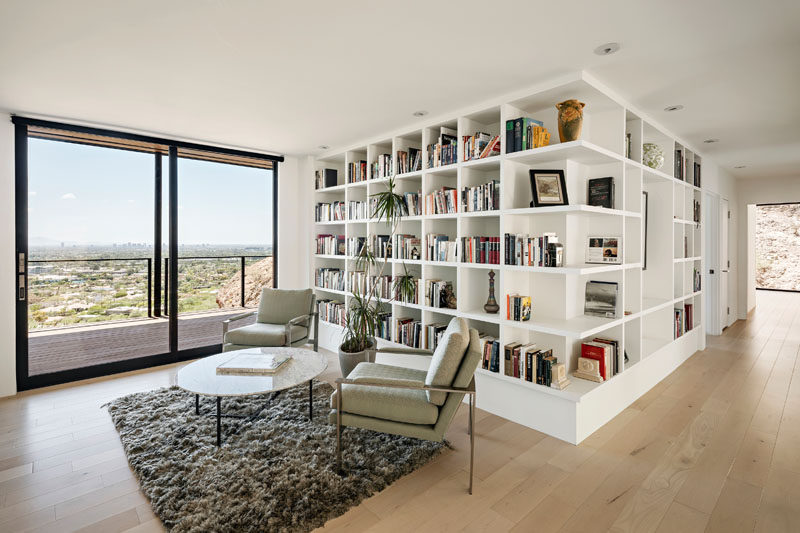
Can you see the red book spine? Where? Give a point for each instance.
(596, 353)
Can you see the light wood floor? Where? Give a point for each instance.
(715, 447)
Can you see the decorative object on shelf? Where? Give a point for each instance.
(559, 379)
(605, 250)
(448, 297)
(548, 187)
(652, 155)
(588, 369)
(601, 299)
(600, 192)
(628, 145)
(570, 120)
(644, 234)
(518, 308)
(491, 304)
(555, 255)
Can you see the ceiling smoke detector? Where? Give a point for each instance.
(323, 146)
(673, 107)
(420, 113)
(711, 141)
(606, 49)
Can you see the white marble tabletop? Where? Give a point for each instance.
(200, 377)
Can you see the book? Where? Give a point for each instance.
(616, 356)
(325, 177)
(600, 192)
(253, 363)
(599, 352)
(508, 352)
(601, 299)
(604, 250)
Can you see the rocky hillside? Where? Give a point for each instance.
(778, 247)
(257, 276)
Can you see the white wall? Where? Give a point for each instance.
(8, 378)
(751, 192)
(294, 193)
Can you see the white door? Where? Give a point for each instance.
(724, 264)
(711, 280)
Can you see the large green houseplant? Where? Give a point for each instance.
(363, 312)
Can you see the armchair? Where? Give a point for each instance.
(409, 402)
(284, 318)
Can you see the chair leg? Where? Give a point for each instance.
(339, 427)
(471, 438)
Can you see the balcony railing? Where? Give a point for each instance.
(79, 279)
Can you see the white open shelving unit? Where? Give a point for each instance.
(647, 293)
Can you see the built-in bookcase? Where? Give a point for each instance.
(653, 215)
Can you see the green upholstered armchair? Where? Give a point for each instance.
(284, 318)
(409, 402)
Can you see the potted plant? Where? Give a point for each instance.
(359, 343)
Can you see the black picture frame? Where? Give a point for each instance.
(644, 233)
(548, 178)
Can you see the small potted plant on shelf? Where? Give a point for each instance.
(361, 323)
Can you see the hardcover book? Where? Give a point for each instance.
(600, 192)
(253, 363)
(601, 299)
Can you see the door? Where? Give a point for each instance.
(712, 250)
(724, 264)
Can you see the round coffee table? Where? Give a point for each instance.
(201, 379)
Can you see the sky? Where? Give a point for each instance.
(80, 194)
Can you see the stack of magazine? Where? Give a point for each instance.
(253, 362)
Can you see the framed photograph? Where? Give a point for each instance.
(644, 234)
(605, 249)
(548, 187)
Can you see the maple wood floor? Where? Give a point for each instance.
(714, 447)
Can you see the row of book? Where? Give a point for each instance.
(354, 245)
(443, 201)
(330, 278)
(480, 145)
(330, 244)
(525, 133)
(433, 334)
(330, 212)
(439, 247)
(481, 250)
(357, 210)
(685, 172)
(484, 197)
(445, 150)
(414, 297)
(382, 167)
(325, 177)
(383, 325)
(529, 363)
(332, 311)
(408, 331)
(357, 172)
(359, 283)
(518, 308)
(684, 319)
(527, 250)
(696, 211)
(381, 246)
(409, 161)
(408, 246)
(413, 205)
(438, 294)
(602, 359)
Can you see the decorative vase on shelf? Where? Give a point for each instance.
(570, 120)
(652, 155)
(491, 304)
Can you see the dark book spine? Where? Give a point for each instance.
(509, 136)
(518, 123)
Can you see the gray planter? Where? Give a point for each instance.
(348, 360)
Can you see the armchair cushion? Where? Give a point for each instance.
(410, 406)
(447, 358)
(279, 306)
(264, 335)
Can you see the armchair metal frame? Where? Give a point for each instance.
(469, 390)
(302, 320)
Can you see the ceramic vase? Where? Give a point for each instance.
(652, 155)
(491, 304)
(570, 120)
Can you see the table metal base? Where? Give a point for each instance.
(220, 415)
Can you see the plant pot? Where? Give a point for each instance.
(349, 360)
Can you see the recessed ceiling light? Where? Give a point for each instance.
(673, 107)
(420, 113)
(711, 141)
(740, 166)
(606, 49)
(323, 146)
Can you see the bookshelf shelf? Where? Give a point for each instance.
(654, 283)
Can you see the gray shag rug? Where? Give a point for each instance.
(275, 473)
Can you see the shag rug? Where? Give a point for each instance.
(275, 473)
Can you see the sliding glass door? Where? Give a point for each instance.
(132, 250)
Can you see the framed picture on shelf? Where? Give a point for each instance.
(548, 187)
(601, 299)
(644, 234)
(606, 250)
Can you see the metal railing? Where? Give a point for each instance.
(242, 259)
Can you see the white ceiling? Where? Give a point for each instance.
(290, 76)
